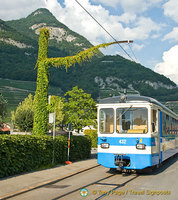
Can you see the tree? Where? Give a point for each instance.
(3, 112)
(24, 114)
(80, 109)
(57, 105)
(43, 64)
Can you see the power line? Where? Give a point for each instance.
(104, 29)
(132, 51)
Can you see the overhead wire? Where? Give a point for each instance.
(132, 51)
(105, 30)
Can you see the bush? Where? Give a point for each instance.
(93, 136)
(22, 153)
(23, 116)
(24, 120)
(80, 148)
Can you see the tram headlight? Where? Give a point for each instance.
(140, 146)
(104, 145)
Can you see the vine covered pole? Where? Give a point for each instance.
(41, 94)
(43, 63)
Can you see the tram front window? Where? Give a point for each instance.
(106, 120)
(132, 120)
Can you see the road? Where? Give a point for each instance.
(161, 184)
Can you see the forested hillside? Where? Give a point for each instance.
(101, 76)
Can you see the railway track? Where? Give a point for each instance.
(106, 183)
(115, 188)
(65, 188)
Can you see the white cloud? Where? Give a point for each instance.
(173, 35)
(137, 6)
(18, 8)
(130, 6)
(170, 9)
(142, 30)
(169, 66)
(111, 3)
(127, 18)
(138, 47)
(78, 20)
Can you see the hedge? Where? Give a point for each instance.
(93, 136)
(23, 153)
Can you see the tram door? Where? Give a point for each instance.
(155, 136)
(160, 135)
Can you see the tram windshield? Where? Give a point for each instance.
(131, 120)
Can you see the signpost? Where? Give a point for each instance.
(52, 120)
(68, 152)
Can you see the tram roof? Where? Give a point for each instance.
(134, 99)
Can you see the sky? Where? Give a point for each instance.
(151, 24)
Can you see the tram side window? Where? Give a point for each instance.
(154, 121)
(173, 126)
(106, 120)
(167, 124)
(164, 123)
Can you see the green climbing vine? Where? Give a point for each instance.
(42, 65)
(41, 94)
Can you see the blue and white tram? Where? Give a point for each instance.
(135, 132)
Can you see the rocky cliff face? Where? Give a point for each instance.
(60, 35)
(113, 83)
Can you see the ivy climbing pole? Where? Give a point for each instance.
(42, 83)
(41, 94)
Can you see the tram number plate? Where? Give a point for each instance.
(122, 141)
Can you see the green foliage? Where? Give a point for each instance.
(93, 136)
(80, 148)
(57, 105)
(43, 63)
(80, 109)
(23, 116)
(3, 112)
(41, 94)
(80, 58)
(20, 153)
(24, 120)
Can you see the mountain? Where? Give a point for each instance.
(61, 37)
(102, 76)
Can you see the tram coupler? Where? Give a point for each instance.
(119, 161)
